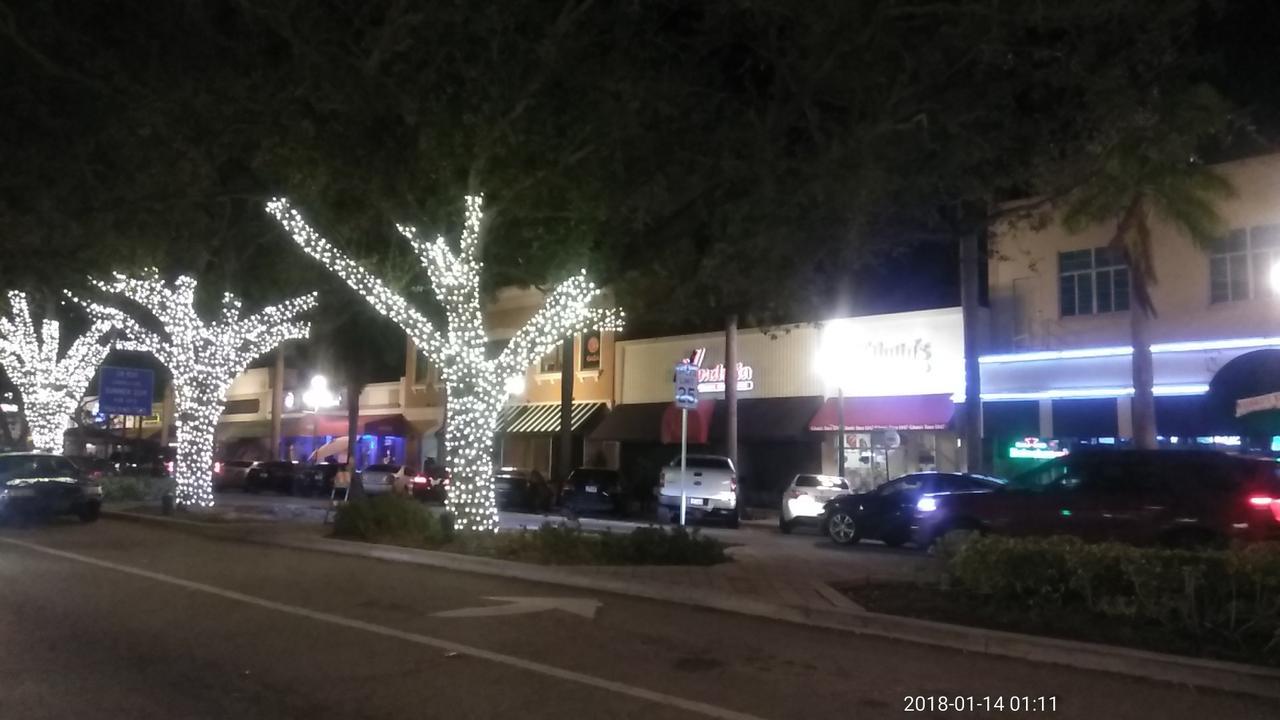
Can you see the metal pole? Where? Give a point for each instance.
(684, 447)
(840, 435)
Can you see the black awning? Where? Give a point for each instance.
(777, 419)
(1088, 418)
(637, 422)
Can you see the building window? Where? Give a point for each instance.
(1240, 265)
(550, 362)
(1092, 281)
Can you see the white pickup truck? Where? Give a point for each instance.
(710, 486)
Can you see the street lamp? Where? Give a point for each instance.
(317, 396)
(834, 364)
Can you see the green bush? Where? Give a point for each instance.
(1221, 597)
(398, 520)
(392, 519)
(129, 488)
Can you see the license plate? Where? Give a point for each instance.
(591, 488)
(697, 501)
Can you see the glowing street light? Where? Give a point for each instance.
(835, 367)
(318, 395)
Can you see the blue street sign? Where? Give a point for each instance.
(686, 385)
(125, 391)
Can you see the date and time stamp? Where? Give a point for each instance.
(980, 703)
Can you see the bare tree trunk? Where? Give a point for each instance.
(1144, 403)
(353, 435)
(560, 474)
(970, 257)
(731, 399)
(277, 404)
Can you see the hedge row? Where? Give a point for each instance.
(398, 520)
(1227, 596)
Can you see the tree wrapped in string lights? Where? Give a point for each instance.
(475, 385)
(203, 357)
(51, 388)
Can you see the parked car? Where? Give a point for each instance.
(432, 484)
(282, 476)
(513, 488)
(39, 484)
(594, 490)
(318, 478)
(94, 467)
(804, 498)
(888, 512)
(1182, 498)
(230, 474)
(710, 486)
(384, 478)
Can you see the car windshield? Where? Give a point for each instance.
(593, 475)
(30, 467)
(704, 462)
(821, 481)
(383, 468)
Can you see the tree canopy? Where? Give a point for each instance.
(732, 156)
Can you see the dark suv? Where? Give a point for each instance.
(1171, 497)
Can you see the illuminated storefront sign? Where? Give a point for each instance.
(1036, 449)
(712, 379)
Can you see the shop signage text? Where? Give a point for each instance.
(1036, 449)
(712, 379)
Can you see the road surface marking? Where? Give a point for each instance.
(693, 706)
(584, 607)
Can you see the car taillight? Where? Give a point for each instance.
(733, 484)
(662, 480)
(420, 480)
(217, 467)
(1261, 501)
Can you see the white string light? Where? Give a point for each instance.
(203, 357)
(475, 386)
(51, 389)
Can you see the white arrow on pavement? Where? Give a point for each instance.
(584, 607)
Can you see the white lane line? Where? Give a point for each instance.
(693, 706)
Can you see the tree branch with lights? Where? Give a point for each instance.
(203, 357)
(51, 388)
(475, 384)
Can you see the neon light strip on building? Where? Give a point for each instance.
(1157, 348)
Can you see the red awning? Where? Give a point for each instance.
(901, 412)
(699, 423)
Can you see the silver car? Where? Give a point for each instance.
(383, 478)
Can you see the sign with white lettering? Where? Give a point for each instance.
(712, 379)
(686, 385)
(125, 391)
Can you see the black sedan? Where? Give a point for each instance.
(594, 490)
(37, 484)
(885, 513)
(282, 476)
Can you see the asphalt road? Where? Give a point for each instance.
(118, 620)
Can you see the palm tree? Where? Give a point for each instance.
(1150, 171)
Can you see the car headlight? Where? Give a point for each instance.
(926, 504)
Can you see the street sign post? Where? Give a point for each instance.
(125, 391)
(686, 400)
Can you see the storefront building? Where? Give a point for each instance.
(897, 408)
(1057, 371)
(528, 434)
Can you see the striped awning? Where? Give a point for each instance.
(545, 418)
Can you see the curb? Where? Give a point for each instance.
(1193, 672)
